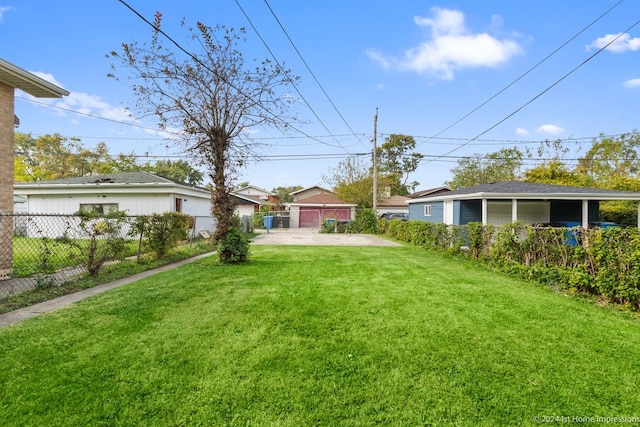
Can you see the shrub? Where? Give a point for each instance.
(161, 233)
(234, 248)
(101, 239)
(366, 221)
(479, 238)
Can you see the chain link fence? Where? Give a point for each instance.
(50, 250)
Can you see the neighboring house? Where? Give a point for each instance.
(501, 203)
(263, 196)
(429, 192)
(137, 193)
(393, 204)
(312, 206)
(399, 204)
(19, 204)
(246, 206)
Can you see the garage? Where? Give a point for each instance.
(313, 206)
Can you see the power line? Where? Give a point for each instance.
(528, 71)
(286, 73)
(574, 140)
(545, 90)
(196, 59)
(308, 68)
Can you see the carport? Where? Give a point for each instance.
(501, 203)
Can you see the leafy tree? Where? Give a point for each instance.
(553, 170)
(54, 156)
(179, 171)
(352, 181)
(212, 96)
(46, 157)
(503, 165)
(284, 193)
(613, 162)
(396, 163)
(24, 163)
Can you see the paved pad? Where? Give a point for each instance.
(312, 237)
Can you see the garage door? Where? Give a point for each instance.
(309, 218)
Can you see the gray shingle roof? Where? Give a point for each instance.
(517, 187)
(138, 177)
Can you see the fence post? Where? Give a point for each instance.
(6, 243)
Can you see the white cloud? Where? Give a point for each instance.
(633, 83)
(550, 129)
(450, 47)
(46, 76)
(623, 44)
(4, 9)
(85, 103)
(522, 132)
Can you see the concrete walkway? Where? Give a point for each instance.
(66, 300)
(313, 237)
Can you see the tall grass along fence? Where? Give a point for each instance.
(42, 251)
(600, 261)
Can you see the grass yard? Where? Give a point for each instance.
(34, 255)
(331, 336)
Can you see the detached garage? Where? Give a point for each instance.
(313, 206)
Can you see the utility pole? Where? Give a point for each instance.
(375, 160)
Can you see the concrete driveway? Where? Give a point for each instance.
(312, 237)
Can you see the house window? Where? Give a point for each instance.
(178, 205)
(99, 208)
(427, 210)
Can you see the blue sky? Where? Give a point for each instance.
(422, 65)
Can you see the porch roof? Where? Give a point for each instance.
(529, 190)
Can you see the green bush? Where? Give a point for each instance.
(161, 233)
(603, 262)
(101, 239)
(366, 221)
(234, 248)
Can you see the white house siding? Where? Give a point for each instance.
(245, 210)
(529, 212)
(47, 220)
(131, 203)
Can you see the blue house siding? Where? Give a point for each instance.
(416, 212)
(470, 211)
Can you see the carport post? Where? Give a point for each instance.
(484, 211)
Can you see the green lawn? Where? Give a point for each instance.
(337, 336)
(37, 255)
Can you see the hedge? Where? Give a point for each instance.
(601, 261)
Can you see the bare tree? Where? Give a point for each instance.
(209, 97)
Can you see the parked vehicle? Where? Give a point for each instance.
(394, 215)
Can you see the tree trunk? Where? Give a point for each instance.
(223, 206)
